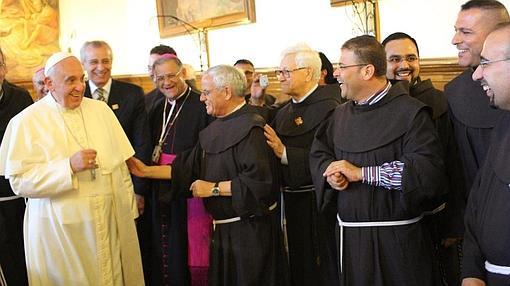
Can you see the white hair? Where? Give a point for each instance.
(224, 75)
(305, 57)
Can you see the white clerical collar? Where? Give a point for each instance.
(173, 101)
(306, 94)
(106, 89)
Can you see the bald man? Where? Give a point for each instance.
(469, 110)
(487, 239)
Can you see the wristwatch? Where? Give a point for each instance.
(215, 191)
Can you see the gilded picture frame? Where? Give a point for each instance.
(339, 3)
(178, 17)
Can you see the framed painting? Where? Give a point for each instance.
(338, 3)
(177, 17)
(29, 34)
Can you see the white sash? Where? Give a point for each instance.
(2, 278)
(237, 218)
(5, 199)
(493, 268)
(343, 224)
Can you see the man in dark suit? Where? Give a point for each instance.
(127, 102)
(13, 99)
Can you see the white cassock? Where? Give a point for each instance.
(77, 231)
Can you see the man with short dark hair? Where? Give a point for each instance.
(378, 158)
(259, 97)
(403, 63)
(472, 118)
(13, 100)
(486, 258)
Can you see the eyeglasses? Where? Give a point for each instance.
(168, 76)
(286, 73)
(342, 67)
(206, 92)
(399, 59)
(484, 62)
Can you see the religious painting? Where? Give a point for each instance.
(29, 34)
(177, 17)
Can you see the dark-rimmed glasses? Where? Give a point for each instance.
(286, 73)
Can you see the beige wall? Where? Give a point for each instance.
(130, 26)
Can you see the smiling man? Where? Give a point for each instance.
(79, 226)
(234, 171)
(290, 136)
(403, 63)
(486, 257)
(175, 123)
(472, 118)
(378, 160)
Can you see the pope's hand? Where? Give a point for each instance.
(83, 160)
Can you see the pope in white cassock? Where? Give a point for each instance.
(67, 154)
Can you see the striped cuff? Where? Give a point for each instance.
(388, 175)
(370, 175)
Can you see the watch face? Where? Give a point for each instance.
(215, 191)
